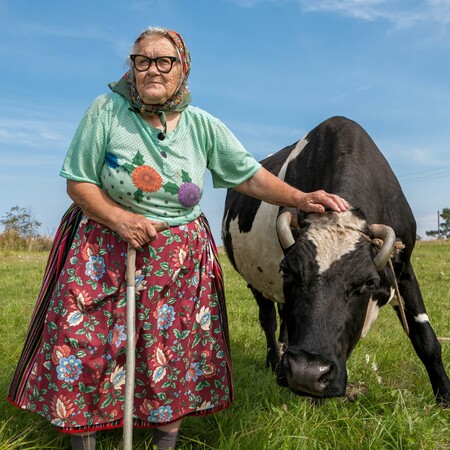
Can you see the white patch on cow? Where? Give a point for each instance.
(372, 313)
(371, 316)
(334, 236)
(258, 253)
(421, 318)
(391, 296)
(301, 144)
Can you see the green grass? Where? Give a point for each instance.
(397, 411)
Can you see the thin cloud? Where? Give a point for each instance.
(263, 140)
(439, 11)
(353, 92)
(35, 133)
(401, 13)
(61, 31)
(254, 130)
(366, 10)
(251, 3)
(90, 32)
(14, 165)
(406, 156)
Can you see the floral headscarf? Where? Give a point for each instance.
(181, 98)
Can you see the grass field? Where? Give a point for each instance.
(397, 411)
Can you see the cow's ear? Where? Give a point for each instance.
(302, 219)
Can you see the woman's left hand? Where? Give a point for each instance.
(318, 201)
(267, 187)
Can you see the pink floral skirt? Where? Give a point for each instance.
(183, 364)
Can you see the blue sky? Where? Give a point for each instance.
(270, 69)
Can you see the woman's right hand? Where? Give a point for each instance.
(135, 229)
(97, 205)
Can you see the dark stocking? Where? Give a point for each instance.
(164, 440)
(83, 441)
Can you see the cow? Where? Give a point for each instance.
(330, 273)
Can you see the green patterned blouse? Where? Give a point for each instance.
(114, 148)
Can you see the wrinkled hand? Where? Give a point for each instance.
(136, 229)
(317, 201)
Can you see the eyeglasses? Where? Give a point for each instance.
(164, 64)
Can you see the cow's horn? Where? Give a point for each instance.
(387, 235)
(284, 230)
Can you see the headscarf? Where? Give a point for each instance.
(180, 99)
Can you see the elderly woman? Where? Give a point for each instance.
(139, 157)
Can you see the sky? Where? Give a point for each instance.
(271, 70)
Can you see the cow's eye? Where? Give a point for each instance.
(370, 284)
(285, 273)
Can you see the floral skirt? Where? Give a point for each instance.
(77, 373)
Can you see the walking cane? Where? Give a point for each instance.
(131, 342)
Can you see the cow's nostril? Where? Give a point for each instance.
(324, 371)
(325, 374)
(306, 374)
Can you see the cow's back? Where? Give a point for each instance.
(337, 156)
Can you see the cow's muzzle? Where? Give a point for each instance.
(311, 374)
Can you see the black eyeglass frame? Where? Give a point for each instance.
(172, 59)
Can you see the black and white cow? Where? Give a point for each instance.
(333, 278)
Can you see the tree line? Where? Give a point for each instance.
(443, 228)
(21, 231)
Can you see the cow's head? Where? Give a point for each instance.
(331, 271)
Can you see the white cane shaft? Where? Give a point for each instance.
(131, 351)
(131, 342)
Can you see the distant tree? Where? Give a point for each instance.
(444, 226)
(21, 222)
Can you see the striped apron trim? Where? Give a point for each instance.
(58, 253)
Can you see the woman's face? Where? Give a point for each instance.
(155, 87)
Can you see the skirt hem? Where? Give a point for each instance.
(137, 423)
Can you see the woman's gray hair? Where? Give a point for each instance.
(149, 32)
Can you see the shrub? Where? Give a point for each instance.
(12, 240)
